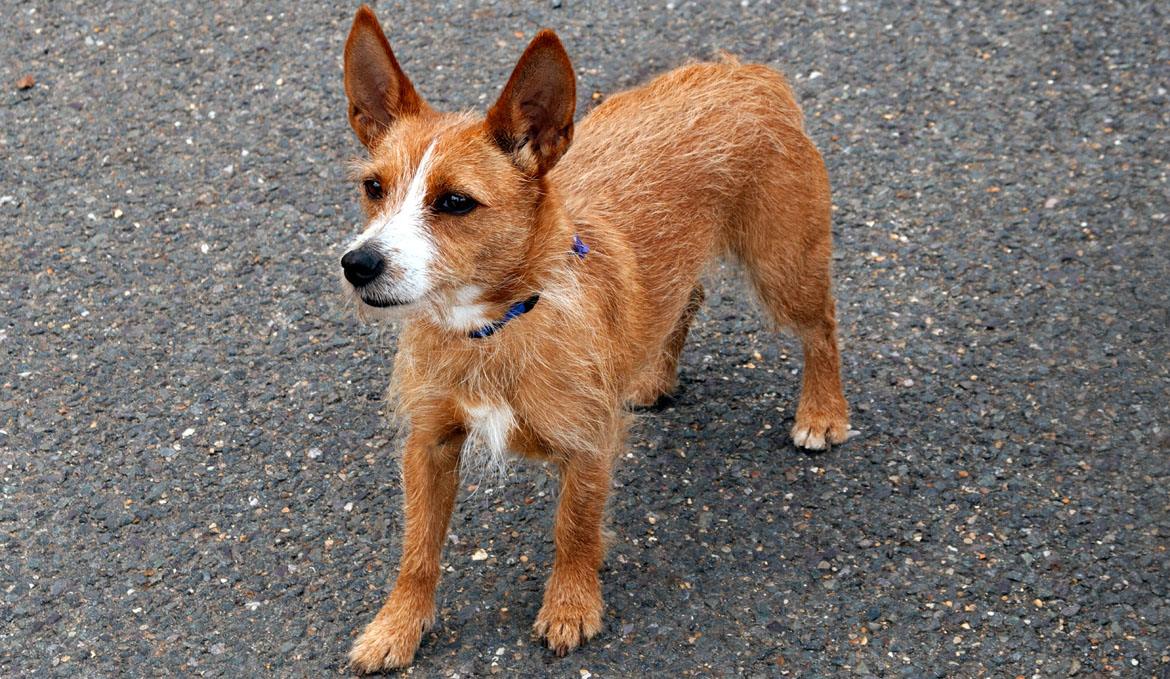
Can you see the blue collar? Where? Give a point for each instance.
(517, 309)
(520, 308)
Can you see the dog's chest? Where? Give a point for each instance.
(489, 425)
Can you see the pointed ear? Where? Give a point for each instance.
(378, 91)
(533, 118)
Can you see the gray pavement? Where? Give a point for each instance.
(197, 477)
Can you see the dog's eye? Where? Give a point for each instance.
(373, 189)
(455, 204)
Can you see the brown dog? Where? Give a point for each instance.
(548, 285)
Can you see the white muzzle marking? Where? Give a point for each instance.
(403, 239)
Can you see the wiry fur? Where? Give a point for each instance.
(708, 159)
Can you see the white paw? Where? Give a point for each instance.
(805, 437)
(820, 434)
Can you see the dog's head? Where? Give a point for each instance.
(451, 200)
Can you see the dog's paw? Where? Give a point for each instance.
(820, 432)
(566, 626)
(387, 643)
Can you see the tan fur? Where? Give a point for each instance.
(708, 159)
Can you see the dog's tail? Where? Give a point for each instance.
(725, 57)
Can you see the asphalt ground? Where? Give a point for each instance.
(198, 475)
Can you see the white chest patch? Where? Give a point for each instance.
(486, 449)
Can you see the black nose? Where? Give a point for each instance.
(361, 266)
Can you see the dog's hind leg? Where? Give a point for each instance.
(659, 381)
(822, 418)
(783, 239)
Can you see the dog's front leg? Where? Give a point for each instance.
(572, 608)
(430, 480)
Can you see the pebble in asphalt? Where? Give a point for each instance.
(198, 478)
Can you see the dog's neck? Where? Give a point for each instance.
(549, 239)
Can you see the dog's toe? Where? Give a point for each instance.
(564, 629)
(818, 433)
(805, 437)
(384, 646)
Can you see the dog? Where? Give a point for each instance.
(547, 273)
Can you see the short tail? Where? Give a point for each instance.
(725, 57)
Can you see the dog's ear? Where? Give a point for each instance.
(533, 118)
(378, 91)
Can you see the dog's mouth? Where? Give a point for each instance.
(385, 302)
